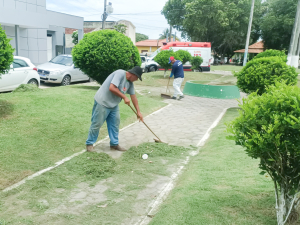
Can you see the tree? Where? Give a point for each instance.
(75, 37)
(162, 58)
(268, 127)
(102, 52)
(166, 33)
(263, 72)
(121, 28)
(277, 23)
(6, 53)
(184, 55)
(223, 23)
(174, 12)
(140, 37)
(196, 62)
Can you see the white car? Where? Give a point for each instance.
(22, 71)
(62, 70)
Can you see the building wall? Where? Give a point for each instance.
(147, 48)
(130, 31)
(31, 22)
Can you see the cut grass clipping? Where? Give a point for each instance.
(115, 191)
(27, 88)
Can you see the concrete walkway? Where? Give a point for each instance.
(181, 123)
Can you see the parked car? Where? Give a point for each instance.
(148, 66)
(61, 69)
(144, 65)
(22, 71)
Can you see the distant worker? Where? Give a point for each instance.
(177, 71)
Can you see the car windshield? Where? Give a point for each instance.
(63, 60)
(154, 53)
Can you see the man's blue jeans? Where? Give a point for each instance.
(99, 115)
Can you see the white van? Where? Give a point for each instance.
(202, 49)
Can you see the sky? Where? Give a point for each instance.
(144, 14)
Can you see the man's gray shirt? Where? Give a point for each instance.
(105, 97)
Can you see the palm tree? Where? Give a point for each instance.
(166, 33)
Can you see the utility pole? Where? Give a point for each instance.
(104, 16)
(293, 54)
(171, 32)
(248, 33)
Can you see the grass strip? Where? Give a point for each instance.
(221, 185)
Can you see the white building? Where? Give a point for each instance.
(35, 32)
(90, 26)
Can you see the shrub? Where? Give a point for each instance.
(27, 88)
(162, 58)
(268, 127)
(184, 55)
(262, 72)
(196, 62)
(272, 52)
(100, 53)
(6, 53)
(75, 37)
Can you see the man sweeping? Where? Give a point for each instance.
(106, 105)
(177, 71)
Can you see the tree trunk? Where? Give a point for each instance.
(165, 73)
(286, 209)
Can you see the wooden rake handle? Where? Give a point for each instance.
(145, 124)
(168, 85)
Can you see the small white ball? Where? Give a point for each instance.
(145, 156)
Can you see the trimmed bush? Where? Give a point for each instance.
(184, 55)
(196, 62)
(263, 72)
(268, 127)
(6, 53)
(102, 52)
(162, 58)
(272, 52)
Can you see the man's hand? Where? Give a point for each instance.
(126, 101)
(140, 116)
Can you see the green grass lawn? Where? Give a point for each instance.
(156, 79)
(40, 128)
(226, 68)
(221, 185)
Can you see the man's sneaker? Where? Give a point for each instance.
(180, 97)
(174, 97)
(90, 148)
(118, 148)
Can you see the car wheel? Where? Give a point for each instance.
(33, 81)
(66, 80)
(152, 69)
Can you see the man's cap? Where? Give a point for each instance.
(171, 59)
(137, 71)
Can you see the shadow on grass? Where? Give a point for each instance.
(85, 87)
(6, 108)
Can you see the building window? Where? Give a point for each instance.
(59, 50)
(144, 51)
